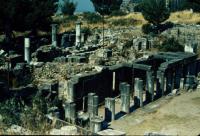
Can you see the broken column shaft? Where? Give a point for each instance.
(170, 81)
(109, 109)
(70, 91)
(177, 77)
(125, 97)
(54, 35)
(27, 54)
(96, 124)
(138, 87)
(70, 112)
(92, 104)
(150, 86)
(78, 34)
(190, 82)
(160, 83)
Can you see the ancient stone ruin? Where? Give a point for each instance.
(84, 78)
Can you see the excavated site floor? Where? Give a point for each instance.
(170, 115)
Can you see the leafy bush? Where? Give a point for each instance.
(171, 45)
(10, 110)
(155, 11)
(92, 18)
(69, 7)
(118, 13)
(124, 22)
(147, 28)
(106, 7)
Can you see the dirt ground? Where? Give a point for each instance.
(171, 115)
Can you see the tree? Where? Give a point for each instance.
(106, 7)
(171, 45)
(22, 15)
(40, 14)
(192, 4)
(68, 7)
(155, 11)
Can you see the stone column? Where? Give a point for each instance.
(182, 83)
(177, 78)
(54, 34)
(70, 91)
(90, 103)
(191, 68)
(160, 83)
(198, 67)
(150, 86)
(95, 105)
(96, 124)
(70, 112)
(169, 86)
(138, 87)
(93, 101)
(73, 113)
(64, 40)
(82, 37)
(190, 82)
(125, 97)
(78, 34)
(27, 54)
(109, 109)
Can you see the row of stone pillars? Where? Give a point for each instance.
(79, 40)
(166, 82)
(96, 122)
(79, 36)
(170, 79)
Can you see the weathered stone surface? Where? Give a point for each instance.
(66, 130)
(47, 53)
(111, 132)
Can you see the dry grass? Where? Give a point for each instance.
(185, 17)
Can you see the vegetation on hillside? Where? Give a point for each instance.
(69, 7)
(106, 7)
(24, 15)
(192, 4)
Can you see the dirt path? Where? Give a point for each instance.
(178, 115)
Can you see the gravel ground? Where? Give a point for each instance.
(177, 115)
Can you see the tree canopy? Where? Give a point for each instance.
(193, 4)
(21, 15)
(106, 7)
(68, 7)
(155, 11)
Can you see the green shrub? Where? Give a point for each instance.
(124, 22)
(147, 28)
(69, 7)
(171, 45)
(118, 13)
(92, 18)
